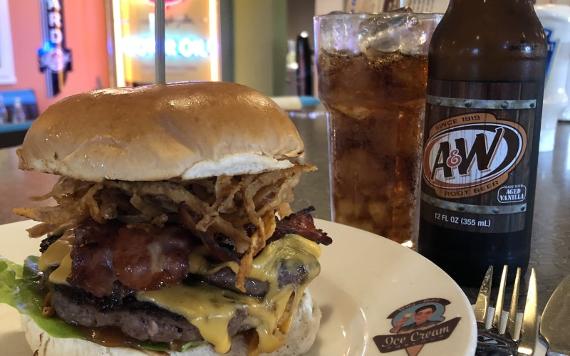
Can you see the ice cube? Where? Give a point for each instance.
(414, 40)
(384, 32)
(337, 32)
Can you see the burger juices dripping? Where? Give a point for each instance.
(131, 237)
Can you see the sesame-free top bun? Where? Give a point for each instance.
(157, 132)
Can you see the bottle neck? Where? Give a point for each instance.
(481, 5)
(492, 40)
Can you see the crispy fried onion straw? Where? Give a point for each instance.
(238, 209)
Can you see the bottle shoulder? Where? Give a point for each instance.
(525, 38)
(511, 48)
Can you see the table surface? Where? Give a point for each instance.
(551, 230)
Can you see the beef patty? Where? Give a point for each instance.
(147, 322)
(138, 320)
(226, 278)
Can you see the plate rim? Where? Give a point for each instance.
(471, 347)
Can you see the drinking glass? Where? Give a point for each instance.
(372, 72)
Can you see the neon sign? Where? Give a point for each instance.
(174, 46)
(53, 57)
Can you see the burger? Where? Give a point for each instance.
(172, 230)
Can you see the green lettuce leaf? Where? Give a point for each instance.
(20, 288)
(9, 274)
(191, 345)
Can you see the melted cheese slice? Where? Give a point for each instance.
(205, 307)
(265, 267)
(57, 255)
(60, 274)
(211, 309)
(216, 307)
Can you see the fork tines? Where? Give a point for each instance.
(529, 329)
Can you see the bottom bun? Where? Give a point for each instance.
(299, 340)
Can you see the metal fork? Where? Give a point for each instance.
(500, 340)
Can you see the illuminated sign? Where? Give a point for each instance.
(168, 2)
(54, 58)
(175, 47)
(192, 43)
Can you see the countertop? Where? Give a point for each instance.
(551, 230)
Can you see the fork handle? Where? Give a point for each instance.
(489, 343)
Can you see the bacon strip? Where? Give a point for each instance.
(145, 257)
(92, 259)
(103, 255)
(301, 223)
(148, 260)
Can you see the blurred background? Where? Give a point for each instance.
(52, 49)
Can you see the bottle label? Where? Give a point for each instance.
(477, 153)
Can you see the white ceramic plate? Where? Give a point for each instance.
(368, 284)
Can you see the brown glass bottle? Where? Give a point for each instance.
(486, 69)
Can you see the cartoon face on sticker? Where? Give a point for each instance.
(416, 324)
